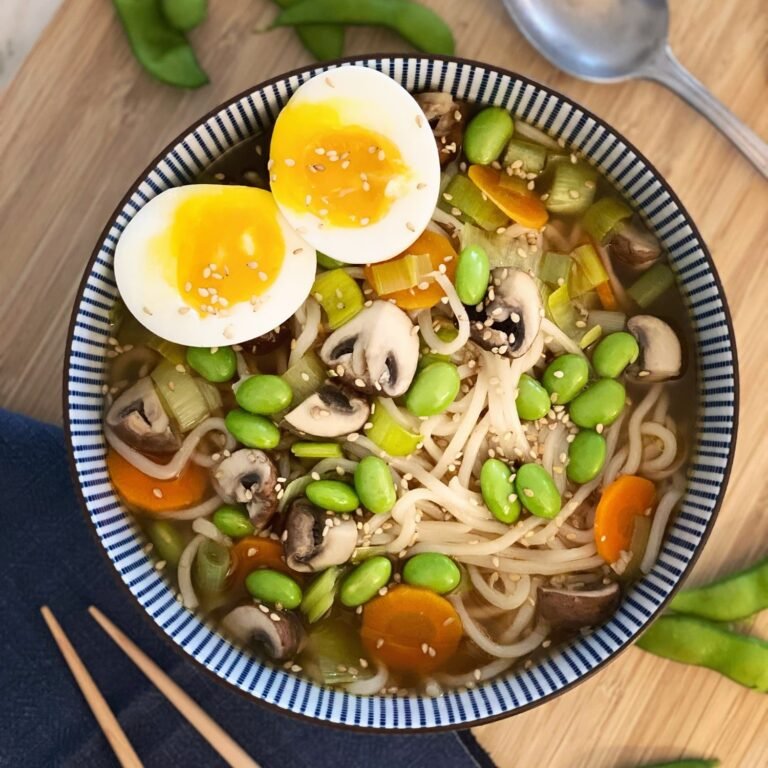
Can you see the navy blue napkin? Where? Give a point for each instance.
(49, 556)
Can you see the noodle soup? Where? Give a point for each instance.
(435, 463)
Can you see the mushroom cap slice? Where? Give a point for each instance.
(661, 356)
(332, 411)
(571, 609)
(279, 632)
(249, 477)
(633, 245)
(378, 350)
(510, 316)
(446, 117)
(138, 418)
(316, 540)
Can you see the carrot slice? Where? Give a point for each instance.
(626, 498)
(254, 552)
(397, 626)
(519, 203)
(156, 496)
(440, 251)
(605, 294)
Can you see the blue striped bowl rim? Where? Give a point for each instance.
(716, 424)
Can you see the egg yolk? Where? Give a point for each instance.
(345, 174)
(226, 247)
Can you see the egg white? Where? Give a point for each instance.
(376, 102)
(156, 302)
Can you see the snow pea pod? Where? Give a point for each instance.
(691, 640)
(160, 48)
(323, 41)
(416, 24)
(735, 597)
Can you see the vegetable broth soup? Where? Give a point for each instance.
(400, 397)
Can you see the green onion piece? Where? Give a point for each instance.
(608, 320)
(211, 567)
(390, 436)
(561, 310)
(602, 217)
(133, 332)
(319, 596)
(573, 188)
(464, 196)
(500, 250)
(326, 262)
(305, 377)
(309, 450)
(181, 395)
(591, 336)
(652, 284)
(332, 653)
(363, 553)
(210, 394)
(554, 268)
(168, 541)
(532, 156)
(533, 134)
(587, 271)
(339, 295)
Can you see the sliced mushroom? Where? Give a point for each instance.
(268, 341)
(278, 632)
(249, 477)
(661, 356)
(138, 418)
(332, 411)
(378, 350)
(634, 245)
(446, 117)
(509, 318)
(316, 540)
(571, 609)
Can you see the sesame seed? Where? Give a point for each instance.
(157, 493)
(573, 194)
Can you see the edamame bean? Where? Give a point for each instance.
(332, 495)
(565, 377)
(614, 353)
(532, 399)
(264, 394)
(212, 363)
(432, 570)
(599, 403)
(274, 588)
(499, 491)
(251, 430)
(374, 485)
(487, 134)
(433, 390)
(232, 521)
(536, 491)
(365, 581)
(473, 273)
(168, 540)
(586, 456)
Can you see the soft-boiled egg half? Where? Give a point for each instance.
(206, 265)
(353, 165)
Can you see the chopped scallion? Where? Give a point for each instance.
(610, 322)
(320, 594)
(561, 310)
(587, 271)
(573, 188)
(591, 336)
(390, 436)
(181, 395)
(211, 567)
(310, 450)
(305, 377)
(602, 217)
(651, 285)
(326, 262)
(532, 156)
(463, 195)
(554, 268)
(339, 295)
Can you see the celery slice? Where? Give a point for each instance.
(211, 567)
(310, 450)
(339, 295)
(180, 395)
(305, 377)
(532, 156)
(602, 217)
(554, 268)
(390, 436)
(463, 195)
(531, 133)
(651, 285)
(573, 188)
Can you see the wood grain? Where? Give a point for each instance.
(80, 121)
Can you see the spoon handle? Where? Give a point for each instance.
(667, 70)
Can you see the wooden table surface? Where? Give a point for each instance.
(80, 121)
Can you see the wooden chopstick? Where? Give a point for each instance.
(103, 714)
(211, 731)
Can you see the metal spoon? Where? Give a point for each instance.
(610, 40)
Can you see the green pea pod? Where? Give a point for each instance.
(162, 50)
(417, 25)
(685, 764)
(730, 599)
(702, 643)
(323, 41)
